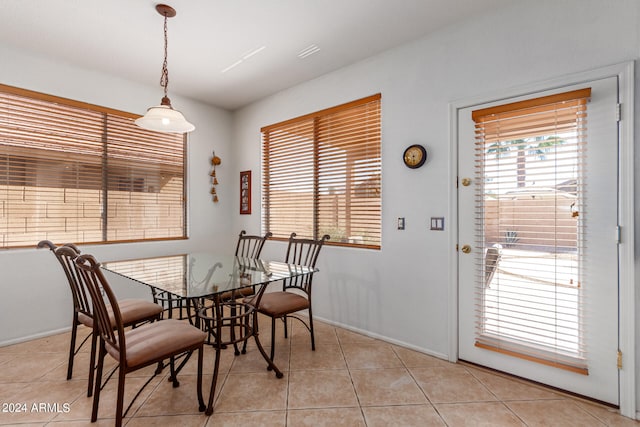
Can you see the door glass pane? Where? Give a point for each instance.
(529, 206)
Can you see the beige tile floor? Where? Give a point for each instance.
(350, 380)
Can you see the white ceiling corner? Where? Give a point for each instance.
(124, 38)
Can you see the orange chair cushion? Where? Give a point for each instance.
(132, 310)
(276, 304)
(157, 341)
(242, 292)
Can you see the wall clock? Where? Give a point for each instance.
(414, 156)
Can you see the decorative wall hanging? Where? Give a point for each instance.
(245, 192)
(215, 161)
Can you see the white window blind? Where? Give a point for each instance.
(74, 172)
(321, 175)
(530, 159)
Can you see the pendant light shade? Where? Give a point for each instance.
(163, 118)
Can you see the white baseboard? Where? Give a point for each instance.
(34, 336)
(384, 338)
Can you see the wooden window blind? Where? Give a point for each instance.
(321, 174)
(530, 159)
(75, 172)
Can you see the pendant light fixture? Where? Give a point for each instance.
(163, 118)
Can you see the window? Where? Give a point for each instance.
(530, 157)
(75, 172)
(321, 175)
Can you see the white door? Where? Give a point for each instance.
(508, 278)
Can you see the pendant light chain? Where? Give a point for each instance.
(163, 118)
(164, 77)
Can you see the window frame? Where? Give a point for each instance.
(316, 147)
(106, 186)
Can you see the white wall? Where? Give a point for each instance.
(34, 298)
(401, 292)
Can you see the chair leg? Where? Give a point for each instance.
(273, 337)
(254, 327)
(120, 401)
(92, 361)
(174, 375)
(233, 314)
(286, 330)
(313, 339)
(98, 383)
(201, 404)
(244, 347)
(72, 346)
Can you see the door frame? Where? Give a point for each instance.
(626, 322)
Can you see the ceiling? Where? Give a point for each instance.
(261, 37)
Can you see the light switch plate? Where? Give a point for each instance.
(437, 223)
(401, 223)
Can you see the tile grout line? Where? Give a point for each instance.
(502, 402)
(355, 391)
(419, 386)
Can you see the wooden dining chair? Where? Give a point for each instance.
(134, 311)
(133, 349)
(296, 292)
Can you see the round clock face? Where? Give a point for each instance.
(414, 156)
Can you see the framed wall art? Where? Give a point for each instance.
(245, 192)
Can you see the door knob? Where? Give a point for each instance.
(466, 249)
(466, 182)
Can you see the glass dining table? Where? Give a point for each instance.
(211, 288)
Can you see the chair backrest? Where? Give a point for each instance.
(66, 255)
(250, 246)
(492, 257)
(50, 245)
(303, 252)
(91, 276)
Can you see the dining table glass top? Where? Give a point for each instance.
(203, 274)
